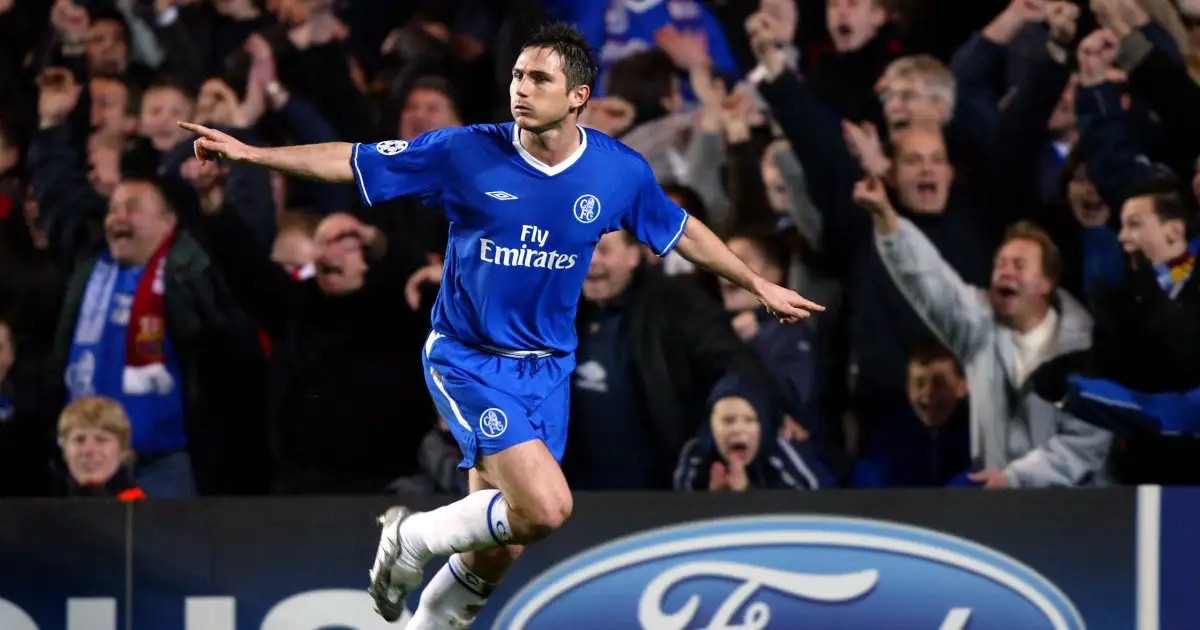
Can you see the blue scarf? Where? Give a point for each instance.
(101, 364)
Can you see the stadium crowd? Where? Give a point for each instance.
(996, 200)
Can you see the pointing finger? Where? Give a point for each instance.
(803, 302)
(206, 150)
(204, 132)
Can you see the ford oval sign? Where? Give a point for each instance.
(790, 573)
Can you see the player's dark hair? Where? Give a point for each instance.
(579, 64)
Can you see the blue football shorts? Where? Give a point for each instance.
(494, 399)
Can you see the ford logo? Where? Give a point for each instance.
(790, 573)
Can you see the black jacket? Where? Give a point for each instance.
(347, 403)
(681, 343)
(220, 358)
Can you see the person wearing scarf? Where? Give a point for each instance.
(120, 347)
(1143, 376)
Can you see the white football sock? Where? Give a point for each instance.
(476, 522)
(452, 599)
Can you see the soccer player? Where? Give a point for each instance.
(526, 201)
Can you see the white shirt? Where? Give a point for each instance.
(1029, 348)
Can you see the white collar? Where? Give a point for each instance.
(542, 166)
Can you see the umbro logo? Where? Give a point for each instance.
(501, 195)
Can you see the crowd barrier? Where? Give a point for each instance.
(1123, 558)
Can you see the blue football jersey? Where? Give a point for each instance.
(521, 232)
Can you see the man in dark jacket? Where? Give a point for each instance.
(146, 320)
(150, 323)
(1147, 341)
(347, 401)
(650, 350)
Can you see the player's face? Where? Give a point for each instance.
(612, 266)
(538, 94)
(736, 430)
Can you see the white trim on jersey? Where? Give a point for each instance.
(542, 166)
(362, 185)
(678, 235)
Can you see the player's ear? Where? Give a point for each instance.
(578, 96)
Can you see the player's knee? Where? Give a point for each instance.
(545, 516)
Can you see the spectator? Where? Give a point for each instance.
(931, 192)
(438, 457)
(1147, 338)
(31, 285)
(650, 350)
(294, 248)
(164, 104)
(338, 340)
(864, 42)
(789, 352)
(930, 444)
(621, 29)
(96, 448)
(656, 125)
(675, 265)
(988, 113)
(26, 445)
(148, 323)
(740, 448)
(1020, 440)
(430, 105)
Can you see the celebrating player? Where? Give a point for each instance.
(526, 201)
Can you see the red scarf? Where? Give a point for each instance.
(147, 331)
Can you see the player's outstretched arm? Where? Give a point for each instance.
(327, 162)
(700, 246)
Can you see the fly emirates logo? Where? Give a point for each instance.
(529, 254)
